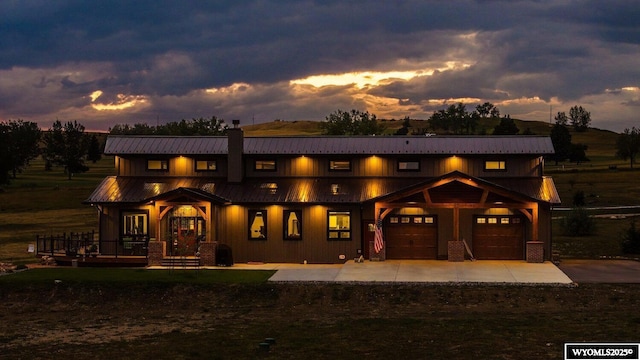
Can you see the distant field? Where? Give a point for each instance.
(42, 202)
(45, 202)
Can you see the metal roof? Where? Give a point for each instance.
(332, 145)
(399, 145)
(292, 190)
(165, 145)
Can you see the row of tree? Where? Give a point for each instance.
(65, 145)
(201, 126)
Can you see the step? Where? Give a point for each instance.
(177, 261)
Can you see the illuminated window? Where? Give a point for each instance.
(206, 165)
(292, 224)
(481, 220)
(428, 220)
(257, 224)
(491, 165)
(408, 165)
(504, 221)
(340, 165)
(265, 165)
(493, 220)
(135, 223)
(339, 224)
(157, 165)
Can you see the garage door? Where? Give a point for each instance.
(411, 237)
(498, 238)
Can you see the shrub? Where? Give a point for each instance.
(578, 223)
(631, 240)
(578, 198)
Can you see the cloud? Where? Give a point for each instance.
(161, 58)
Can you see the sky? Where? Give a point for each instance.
(103, 63)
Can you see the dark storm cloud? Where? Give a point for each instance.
(54, 54)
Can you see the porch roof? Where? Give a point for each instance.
(291, 190)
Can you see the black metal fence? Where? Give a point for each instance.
(88, 244)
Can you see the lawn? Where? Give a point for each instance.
(220, 320)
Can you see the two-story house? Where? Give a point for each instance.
(319, 198)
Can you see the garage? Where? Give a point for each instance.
(411, 237)
(498, 238)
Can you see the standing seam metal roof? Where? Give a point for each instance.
(332, 145)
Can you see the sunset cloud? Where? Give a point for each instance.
(159, 61)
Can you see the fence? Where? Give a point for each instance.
(74, 244)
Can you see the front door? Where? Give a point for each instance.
(186, 230)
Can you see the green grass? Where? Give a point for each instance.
(125, 277)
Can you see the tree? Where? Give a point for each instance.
(5, 166)
(631, 240)
(455, 118)
(561, 118)
(628, 145)
(506, 127)
(487, 110)
(354, 122)
(94, 152)
(561, 139)
(67, 146)
(406, 124)
(577, 153)
(580, 118)
(23, 145)
(578, 223)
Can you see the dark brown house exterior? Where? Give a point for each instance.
(317, 199)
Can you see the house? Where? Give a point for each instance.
(319, 199)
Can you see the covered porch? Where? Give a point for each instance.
(457, 214)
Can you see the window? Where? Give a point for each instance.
(157, 164)
(504, 220)
(135, 223)
(339, 225)
(481, 220)
(265, 165)
(494, 165)
(340, 165)
(408, 165)
(292, 224)
(206, 165)
(257, 224)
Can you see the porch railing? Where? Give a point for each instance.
(79, 244)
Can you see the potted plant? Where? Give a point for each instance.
(93, 250)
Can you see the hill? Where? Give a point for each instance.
(601, 143)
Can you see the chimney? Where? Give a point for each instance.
(235, 143)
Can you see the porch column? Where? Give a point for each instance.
(535, 248)
(455, 247)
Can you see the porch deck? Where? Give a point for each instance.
(100, 261)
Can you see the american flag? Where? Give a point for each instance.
(378, 239)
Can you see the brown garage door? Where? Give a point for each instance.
(411, 237)
(498, 238)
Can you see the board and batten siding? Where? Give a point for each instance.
(314, 245)
(178, 166)
(378, 166)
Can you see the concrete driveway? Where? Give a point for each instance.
(602, 271)
(423, 271)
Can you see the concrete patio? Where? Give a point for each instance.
(414, 271)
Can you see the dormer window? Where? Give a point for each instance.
(265, 165)
(408, 165)
(158, 164)
(495, 165)
(206, 165)
(340, 165)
